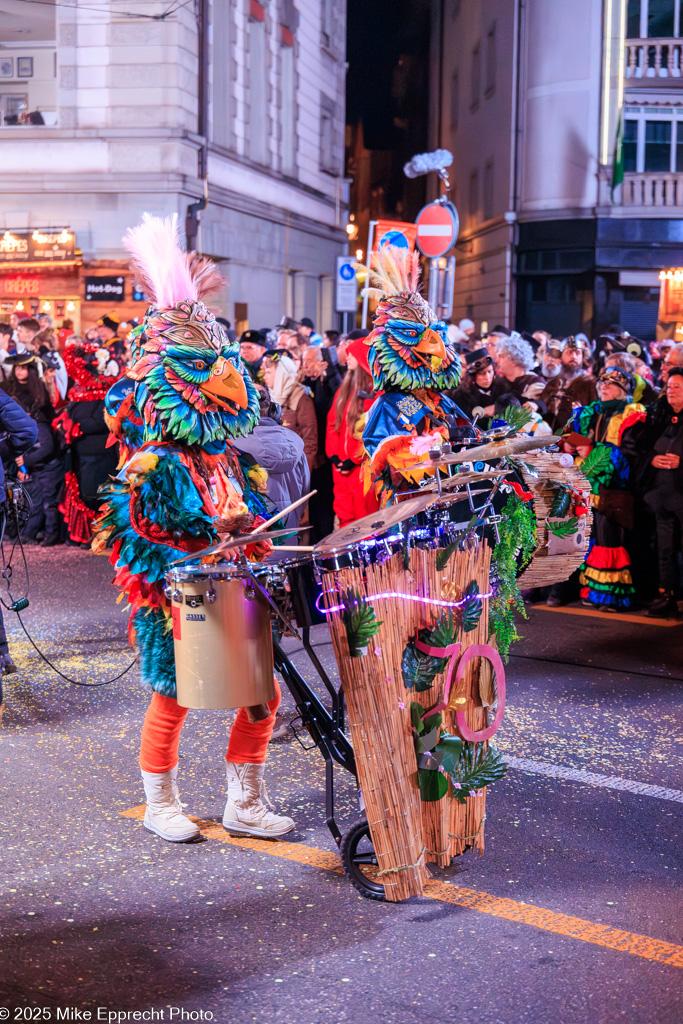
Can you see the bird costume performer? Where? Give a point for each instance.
(182, 490)
(596, 432)
(413, 363)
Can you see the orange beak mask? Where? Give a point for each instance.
(431, 345)
(225, 384)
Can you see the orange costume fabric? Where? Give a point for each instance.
(248, 743)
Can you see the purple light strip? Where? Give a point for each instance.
(404, 597)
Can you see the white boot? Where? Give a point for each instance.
(164, 814)
(245, 813)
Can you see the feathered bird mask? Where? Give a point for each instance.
(190, 383)
(409, 346)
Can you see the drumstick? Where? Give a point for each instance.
(285, 511)
(291, 547)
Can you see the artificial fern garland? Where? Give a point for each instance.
(517, 531)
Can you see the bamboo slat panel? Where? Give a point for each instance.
(406, 832)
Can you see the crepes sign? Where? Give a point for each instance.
(26, 247)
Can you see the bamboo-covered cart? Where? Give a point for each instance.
(407, 831)
(431, 650)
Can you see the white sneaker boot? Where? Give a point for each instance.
(164, 814)
(246, 813)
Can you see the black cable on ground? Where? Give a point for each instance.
(19, 605)
(76, 682)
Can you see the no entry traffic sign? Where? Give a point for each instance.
(437, 229)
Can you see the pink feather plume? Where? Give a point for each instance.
(166, 273)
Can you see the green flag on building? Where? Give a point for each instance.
(618, 164)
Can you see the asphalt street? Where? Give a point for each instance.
(573, 915)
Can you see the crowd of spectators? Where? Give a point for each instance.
(315, 390)
(617, 391)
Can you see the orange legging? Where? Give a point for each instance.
(248, 743)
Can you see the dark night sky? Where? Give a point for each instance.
(379, 33)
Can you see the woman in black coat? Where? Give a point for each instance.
(655, 448)
(20, 433)
(43, 463)
(480, 386)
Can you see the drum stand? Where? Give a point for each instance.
(326, 728)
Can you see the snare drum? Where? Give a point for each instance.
(222, 636)
(357, 555)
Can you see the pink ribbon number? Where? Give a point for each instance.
(456, 671)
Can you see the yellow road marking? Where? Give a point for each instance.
(608, 617)
(472, 899)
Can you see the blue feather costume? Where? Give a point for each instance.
(412, 364)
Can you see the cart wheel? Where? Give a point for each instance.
(359, 861)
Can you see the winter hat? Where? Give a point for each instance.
(477, 361)
(253, 337)
(622, 378)
(109, 321)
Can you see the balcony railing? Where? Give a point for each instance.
(652, 190)
(654, 59)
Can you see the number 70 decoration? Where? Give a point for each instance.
(456, 671)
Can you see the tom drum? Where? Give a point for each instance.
(222, 637)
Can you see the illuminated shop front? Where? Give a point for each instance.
(670, 323)
(43, 271)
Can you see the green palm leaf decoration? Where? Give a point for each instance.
(560, 503)
(361, 622)
(443, 556)
(432, 782)
(471, 610)
(566, 528)
(475, 769)
(420, 670)
(450, 748)
(517, 417)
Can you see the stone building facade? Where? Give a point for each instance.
(529, 95)
(229, 113)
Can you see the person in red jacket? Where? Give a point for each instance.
(344, 438)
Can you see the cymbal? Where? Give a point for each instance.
(241, 540)
(450, 483)
(453, 497)
(376, 523)
(492, 450)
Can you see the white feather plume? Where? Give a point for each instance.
(160, 265)
(423, 163)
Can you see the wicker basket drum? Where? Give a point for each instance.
(546, 566)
